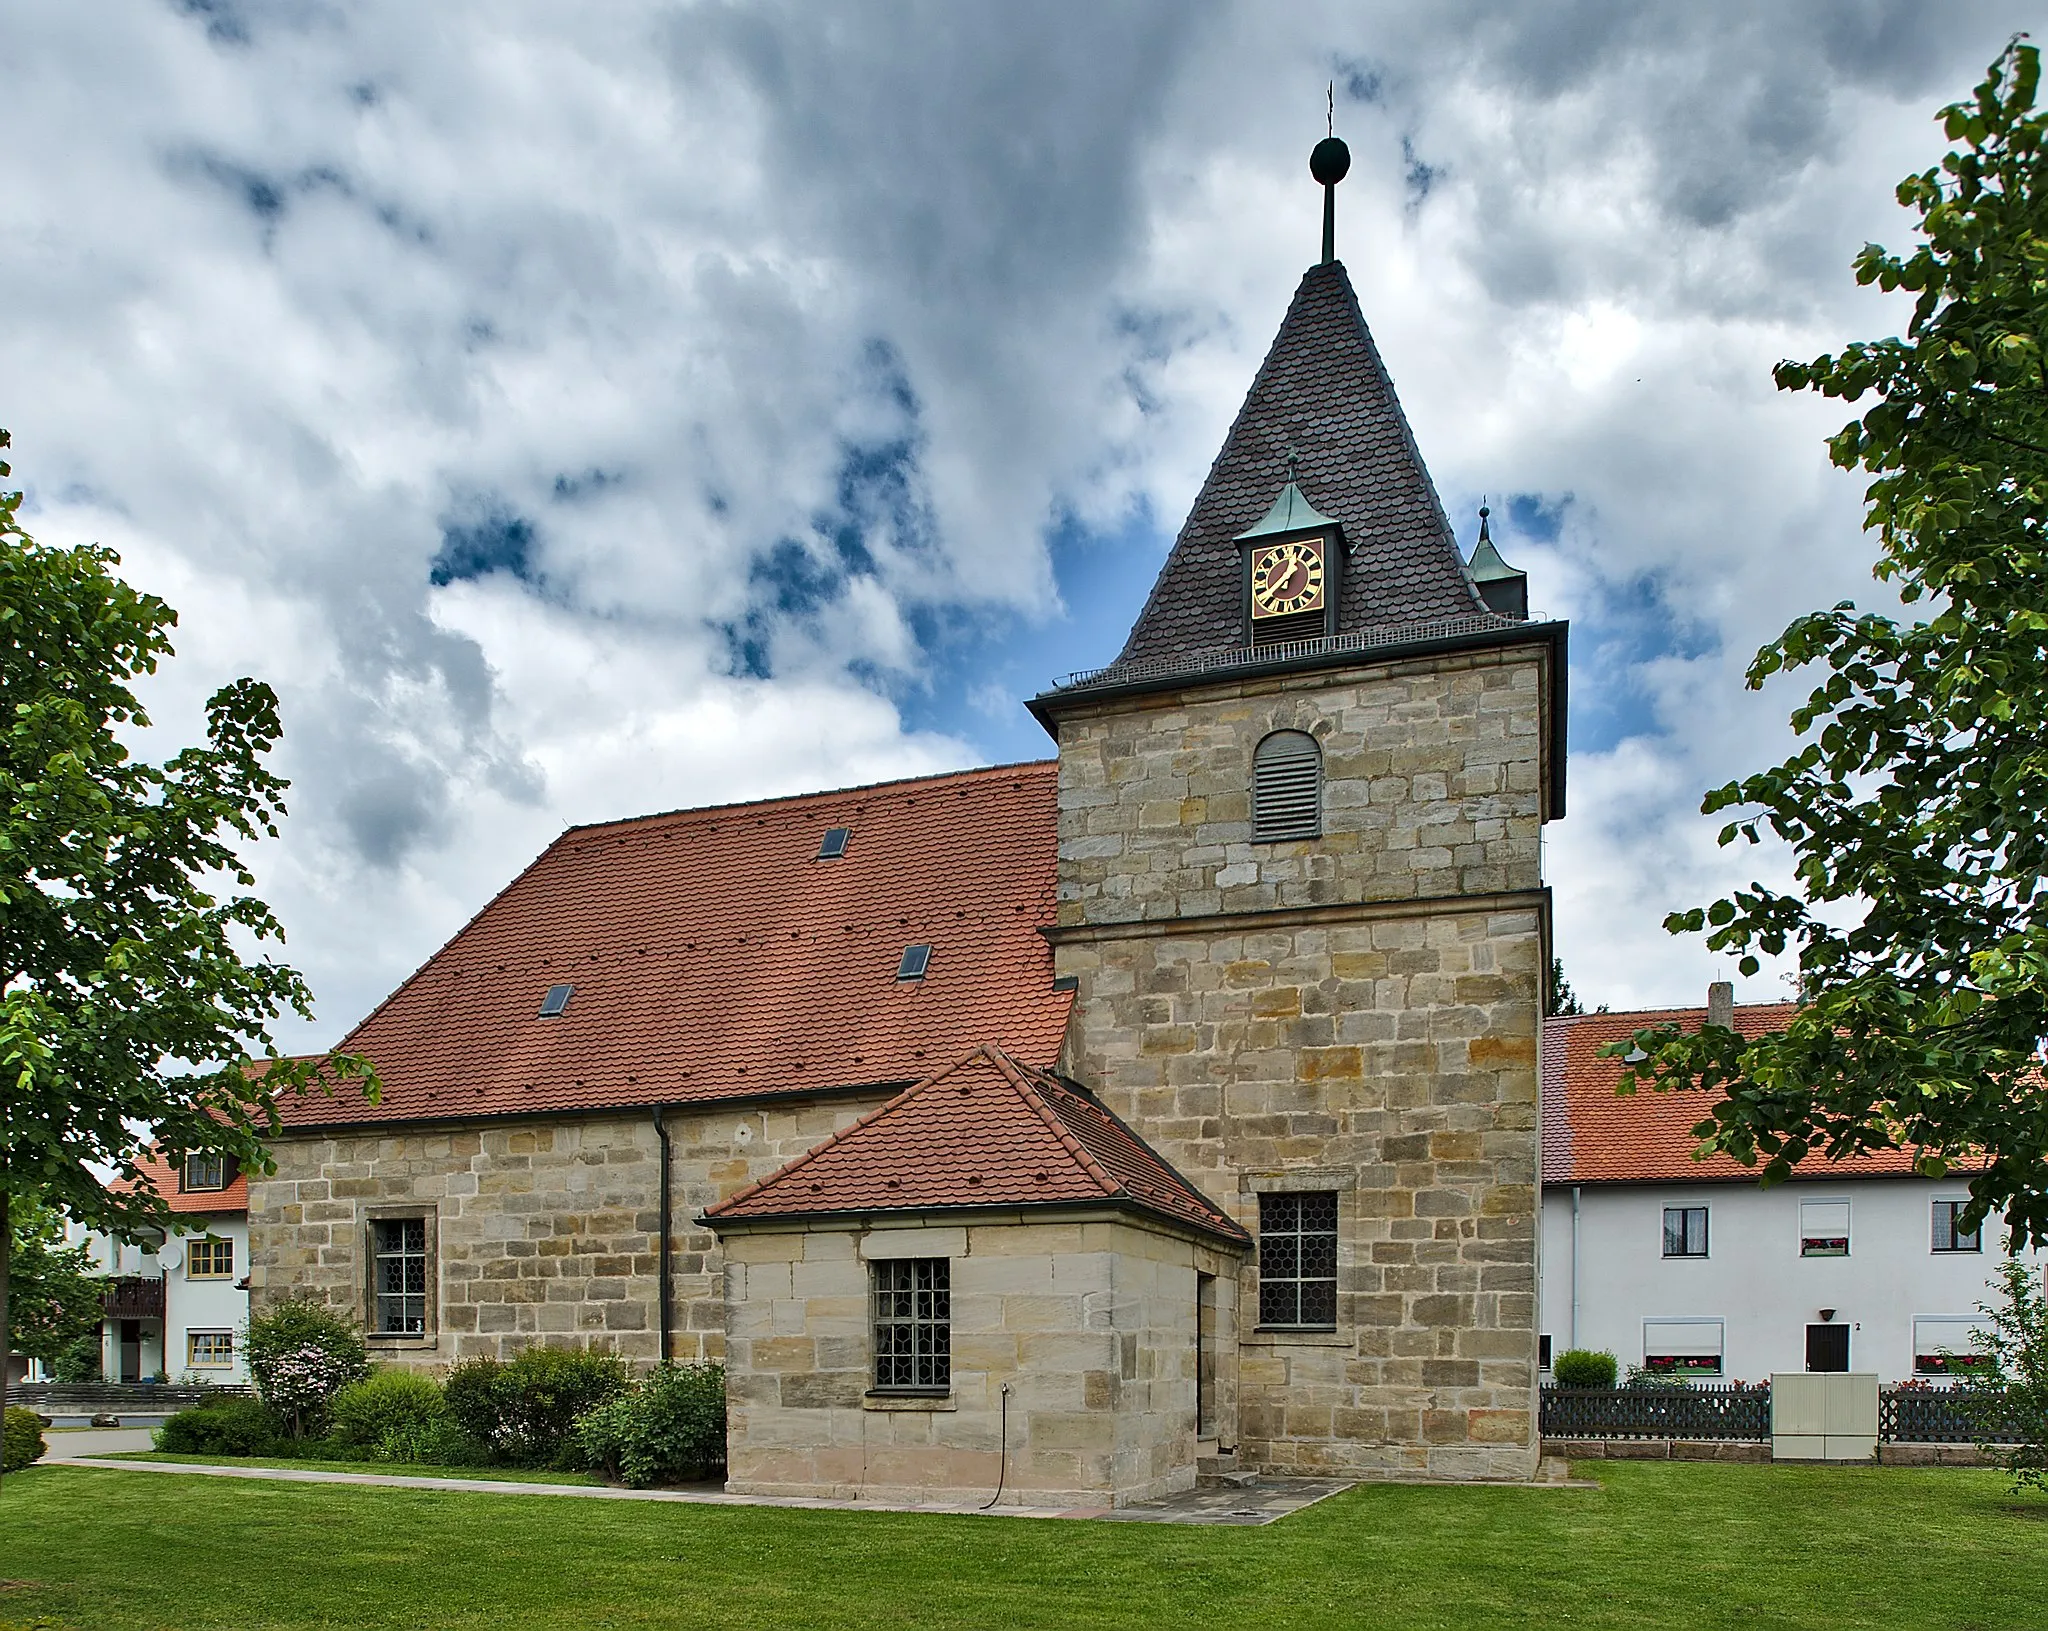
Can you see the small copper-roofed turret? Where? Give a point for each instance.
(1504, 590)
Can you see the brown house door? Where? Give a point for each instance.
(1827, 1347)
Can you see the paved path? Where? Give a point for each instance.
(1262, 1503)
(67, 1443)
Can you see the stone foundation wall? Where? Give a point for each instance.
(542, 1231)
(1092, 1326)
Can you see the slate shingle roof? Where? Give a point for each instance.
(713, 956)
(1591, 1135)
(987, 1131)
(1323, 392)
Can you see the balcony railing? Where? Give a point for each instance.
(134, 1297)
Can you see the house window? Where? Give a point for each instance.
(1685, 1231)
(1298, 1260)
(1949, 1233)
(1287, 787)
(1947, 1344)
(203, 1172)
(1823, 1228)
(913, 1325)
(1543, 1353)
(210, 1258)
(399, 1276)
(209, 1350)
(1683, 1347)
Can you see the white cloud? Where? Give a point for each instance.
(759, 337)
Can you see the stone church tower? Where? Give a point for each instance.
(1300, 893)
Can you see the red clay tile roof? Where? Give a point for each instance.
(1592, 1135)
(164, 1178)
(984, 1132)
(714, 956)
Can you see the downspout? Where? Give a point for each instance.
(665, 1292)
(1575, 1265)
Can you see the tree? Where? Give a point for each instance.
(2010, 1392)
(129, 1014)
(53, 1291)
(1917, 806)
(1563, 999)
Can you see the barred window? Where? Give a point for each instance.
(210, 1258)
(1685, 1231)
(1949, 1233)
(1287, 787)
(1298, 1260)
(914, 1325)
(400, 1276)
(209, 1350)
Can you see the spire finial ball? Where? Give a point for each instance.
(1330, 163)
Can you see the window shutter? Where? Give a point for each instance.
(1287, 787)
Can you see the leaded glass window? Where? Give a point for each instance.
(1298, 1260)
(401, 1276)
(914, 1324)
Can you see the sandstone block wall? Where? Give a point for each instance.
(1091, 1324)
(1433, 786)
(543, 1230)
(1354, 1013)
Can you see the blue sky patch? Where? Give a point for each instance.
(490, 539)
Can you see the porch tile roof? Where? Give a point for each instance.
(987, 1131)
(713, 955)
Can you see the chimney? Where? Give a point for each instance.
(1721, 1005)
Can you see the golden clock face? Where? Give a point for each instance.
(1287, 578)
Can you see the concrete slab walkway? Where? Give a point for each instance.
(1260, 1504)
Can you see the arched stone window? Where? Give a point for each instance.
(1287, 787)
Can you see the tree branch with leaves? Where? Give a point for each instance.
(1916, 807)
(130, 1016)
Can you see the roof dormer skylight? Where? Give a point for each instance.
(834, 845)
(555, 1001)
(916, 959)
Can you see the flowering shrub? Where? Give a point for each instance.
(302, 1353)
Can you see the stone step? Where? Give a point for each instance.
(1222, 1472)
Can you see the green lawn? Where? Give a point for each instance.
(399, 1469)
(1691, 1547)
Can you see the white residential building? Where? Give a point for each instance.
(176, 1309)
(1690, 1267)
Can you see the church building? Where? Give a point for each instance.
(1070, 1128)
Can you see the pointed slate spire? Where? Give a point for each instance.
(1502, 588)
(1324, 391)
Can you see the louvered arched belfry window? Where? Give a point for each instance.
(1287, 787)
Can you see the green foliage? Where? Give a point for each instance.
(1917, 807)
(301, 1354)
(668, 1428)
(2012, 1387)
(129, 1006)
(79, 1360)
(470, 1391)
(391, 1401)
(1583, 1367)
(21, 1439)
(435, 1443)
(53, 1295)
(229, 1426)
(525, 1410)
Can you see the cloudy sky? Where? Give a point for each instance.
(582, 411)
